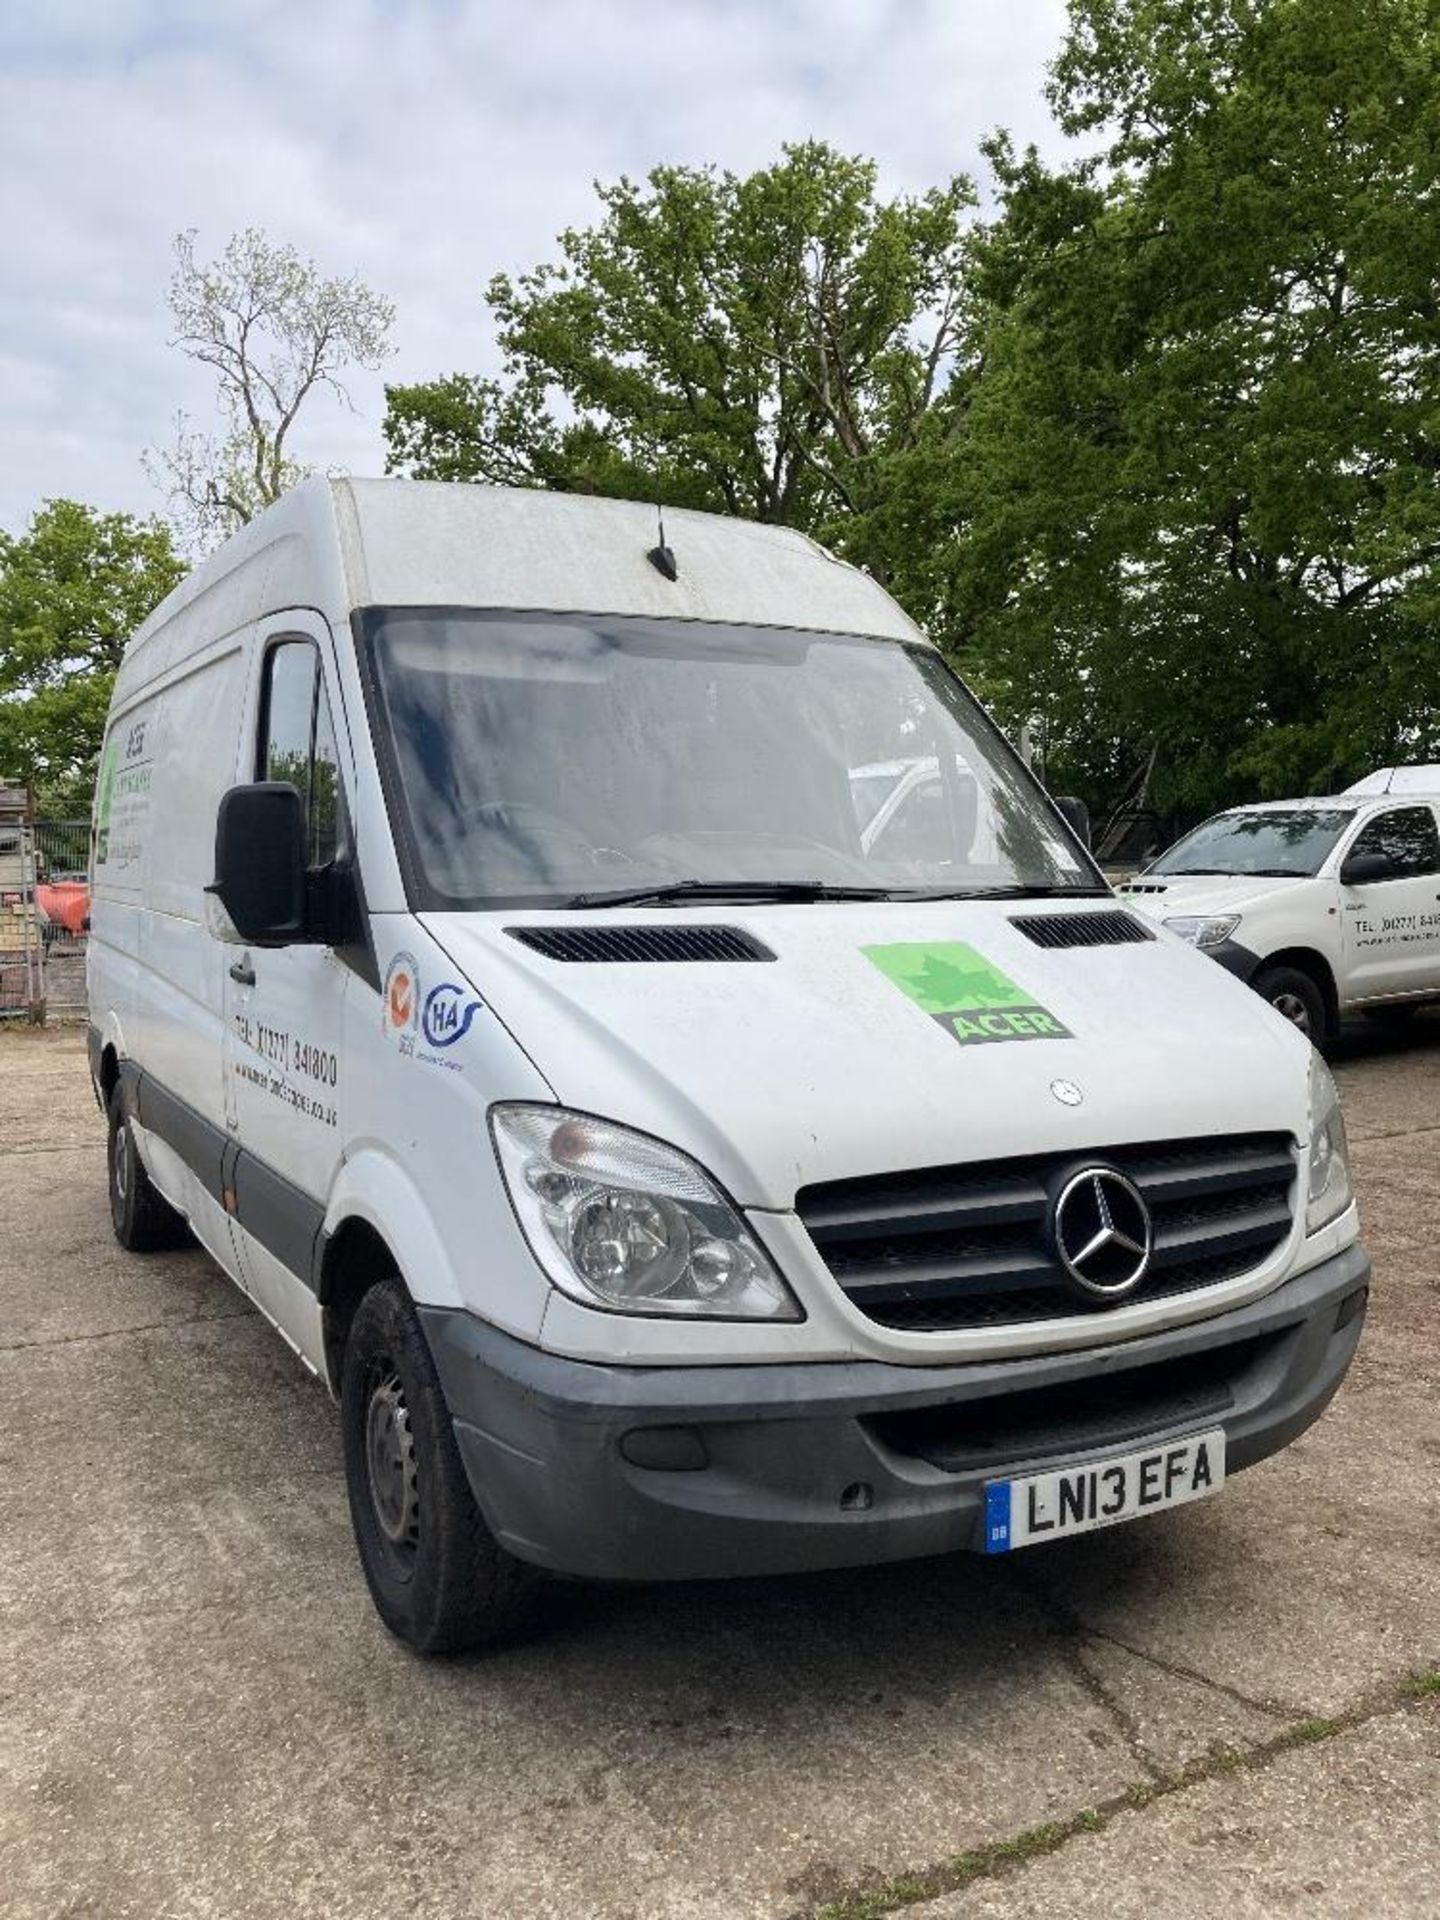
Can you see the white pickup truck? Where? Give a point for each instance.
(1326, 907)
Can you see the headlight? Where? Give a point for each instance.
(1330, 1191)
(1202, 932)
(622, 1221)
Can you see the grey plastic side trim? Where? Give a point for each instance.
(281, 1216)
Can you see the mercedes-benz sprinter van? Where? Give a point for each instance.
(494, 964)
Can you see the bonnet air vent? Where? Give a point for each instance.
(641, 943)
(1082, 929)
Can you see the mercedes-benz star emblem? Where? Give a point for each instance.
(1066, 1092)
(1102, 1233)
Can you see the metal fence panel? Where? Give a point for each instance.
(22, 972)
(44, 911)
(62, 890)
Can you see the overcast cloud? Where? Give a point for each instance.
(426, 144)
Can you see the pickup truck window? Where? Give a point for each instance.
(1407, 837)
(1289, 845)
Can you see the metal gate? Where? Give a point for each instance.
(44, 910)
(62, 890)
(22, 960)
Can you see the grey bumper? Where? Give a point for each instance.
(664, 1473)
(1235, 959)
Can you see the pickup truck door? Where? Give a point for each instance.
(1392, 924)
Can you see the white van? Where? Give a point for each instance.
(1326, 907)
(489, 965)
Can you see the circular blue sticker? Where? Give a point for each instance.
(448, 1013)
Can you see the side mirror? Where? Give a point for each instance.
(1364, 869)
(260, 862)
(1076, 816)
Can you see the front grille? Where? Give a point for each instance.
(646, 942)
(1117, 929)
(969, 1246)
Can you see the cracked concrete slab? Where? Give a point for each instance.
(200, 1714)
(1329, 1831)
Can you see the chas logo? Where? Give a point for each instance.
(448, 1013)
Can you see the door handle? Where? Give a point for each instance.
(242, 973)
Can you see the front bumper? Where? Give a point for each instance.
(668, 1473)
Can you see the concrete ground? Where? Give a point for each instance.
(1216, 1711)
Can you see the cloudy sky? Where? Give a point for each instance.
(426, 144)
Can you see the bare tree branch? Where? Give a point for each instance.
(273, 331)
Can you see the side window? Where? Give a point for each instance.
(327, 805)
(1408, 838)
(297, 743)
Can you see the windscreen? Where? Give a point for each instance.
(1285, 845)
(538, 759)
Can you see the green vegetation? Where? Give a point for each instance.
(1149, 439)
(73, 588)
(1151, 447)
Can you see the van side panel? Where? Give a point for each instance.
(177, 741)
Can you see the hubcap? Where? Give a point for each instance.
(390, 1457)
(1294, 1010)
(122, 1160)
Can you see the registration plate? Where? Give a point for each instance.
(1101, 1493)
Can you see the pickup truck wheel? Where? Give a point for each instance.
(1295, 995)
(144, 1221)
(439, 1580)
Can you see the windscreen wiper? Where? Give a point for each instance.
(1016, 892)
(781, 890)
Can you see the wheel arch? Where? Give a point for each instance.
(376, 1227)
(1316, 967)
(107, 1052)
(109, 1072)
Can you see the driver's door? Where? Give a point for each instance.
(285, 1005)
(1392, 924)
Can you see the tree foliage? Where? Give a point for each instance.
(1200, 469)
(73, 588)
(761, 345)
(273, 330)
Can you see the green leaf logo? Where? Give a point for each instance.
(973, 1000)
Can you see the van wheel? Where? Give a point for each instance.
(144, 1221)
(1295, 995)
(436, 1574)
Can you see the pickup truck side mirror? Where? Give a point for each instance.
(260, 862)
(1364, 869)
(1076, 816)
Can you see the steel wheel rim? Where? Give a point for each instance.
(122, 1160)
(1294, 1009)
(391, 1465)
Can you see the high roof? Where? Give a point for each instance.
(423, 543)
(339, 544)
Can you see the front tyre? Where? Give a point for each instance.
(439, 1580)
(1296, 996)
(144, 1221)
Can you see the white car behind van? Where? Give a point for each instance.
(492, 966)
(1325, 907)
